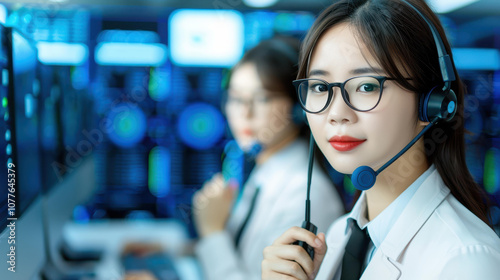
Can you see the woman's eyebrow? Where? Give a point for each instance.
(366, 70)
(318, 72)
(357, 71)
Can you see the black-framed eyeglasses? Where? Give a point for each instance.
(259, 99)
(360, 93)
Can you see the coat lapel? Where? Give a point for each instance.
(430, 194)
(386, 263)
(380, 267)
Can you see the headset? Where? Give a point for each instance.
(439, 104)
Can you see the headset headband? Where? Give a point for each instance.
(445, 64)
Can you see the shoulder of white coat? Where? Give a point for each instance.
(462, 246)
(472, 262)
(462, 227)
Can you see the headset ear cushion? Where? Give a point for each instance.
(438, 103)
(442, 104)
(421, 107)
(423, 113)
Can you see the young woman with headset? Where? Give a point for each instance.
(259, 109)
(381, 93)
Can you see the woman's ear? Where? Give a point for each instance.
(422, 123)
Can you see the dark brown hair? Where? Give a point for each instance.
(402, 43)
(276, 60)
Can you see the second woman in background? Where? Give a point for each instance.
(259, 108)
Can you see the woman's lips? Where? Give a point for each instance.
(345, 143)
(247, 132)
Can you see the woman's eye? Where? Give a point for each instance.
(262, 99)
(319, 88)
(235, 100)
(368, 88)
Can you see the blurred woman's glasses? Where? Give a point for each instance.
(258, 101)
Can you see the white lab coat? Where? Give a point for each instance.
(435, 237)
(280, 205)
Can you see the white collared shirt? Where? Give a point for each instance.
(281, 204)
(433, 237)
(379, 227)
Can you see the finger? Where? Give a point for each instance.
(217, 180)
(214, 186)
(218, 177)
(319, 253)
(271, 275)
(214, 180)
(233, 184)
(197, 197)
(232, 190)
(199, 201)
(282, 269)
(293, 253)
(321, 250)
(296, 233)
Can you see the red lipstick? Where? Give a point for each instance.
(345, 143)
(247, 132)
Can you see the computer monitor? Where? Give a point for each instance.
(22, 238)
(64, 113)
(68, 169)
(52, 148)
(5, 130)
(68, 172)
(24, 99)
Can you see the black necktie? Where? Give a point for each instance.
(249, 215)
(355, 253)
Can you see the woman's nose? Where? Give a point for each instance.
(338, 110)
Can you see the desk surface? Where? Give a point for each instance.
(112, 235)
